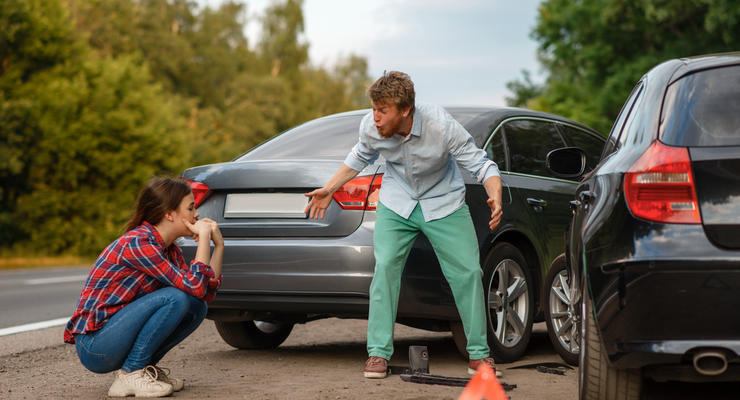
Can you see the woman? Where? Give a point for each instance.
(141, 299)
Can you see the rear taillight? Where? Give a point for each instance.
(660, 186)
(200, 192)
(359, 193)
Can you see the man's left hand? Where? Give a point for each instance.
(496, 213)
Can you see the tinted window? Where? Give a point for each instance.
(529, 142)
(591, 144)
(323, 139)
(495, 151)
(703, 109)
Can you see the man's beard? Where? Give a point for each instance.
(386, 135)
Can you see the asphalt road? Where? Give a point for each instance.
(39, 294)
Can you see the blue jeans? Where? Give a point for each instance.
(142, 332)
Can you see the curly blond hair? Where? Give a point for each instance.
(393, 87)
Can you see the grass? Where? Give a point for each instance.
(40, 262)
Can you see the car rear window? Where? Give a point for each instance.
(328, 138)
(322, 139)
(703, 109)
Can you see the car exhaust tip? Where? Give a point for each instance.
(710, 363)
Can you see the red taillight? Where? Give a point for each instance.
(360, 193)
(200, 192)
(660, 186)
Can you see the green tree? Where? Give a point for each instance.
(594, 51)
(83, 132)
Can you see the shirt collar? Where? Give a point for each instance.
(154, 233)
(415, 128)
(416, 124)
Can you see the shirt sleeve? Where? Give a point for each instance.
(362, 154)
(147, 256)
(467, 154)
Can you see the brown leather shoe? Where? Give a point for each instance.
(474, 364)
(376, 368)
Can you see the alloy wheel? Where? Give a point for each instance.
(508, 302)
(564, 314)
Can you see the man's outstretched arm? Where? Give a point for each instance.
(321, 197)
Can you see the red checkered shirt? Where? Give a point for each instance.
(136, 264)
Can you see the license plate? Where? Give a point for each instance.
(265, 205)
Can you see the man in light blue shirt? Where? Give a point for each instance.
(422, 191)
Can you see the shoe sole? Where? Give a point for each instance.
(375, 375)
(472, 372)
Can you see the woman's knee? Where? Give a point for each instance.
(198, 307)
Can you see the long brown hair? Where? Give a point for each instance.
(159, 196)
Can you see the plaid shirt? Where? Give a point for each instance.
(134, 265)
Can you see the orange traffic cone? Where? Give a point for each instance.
(483, 385)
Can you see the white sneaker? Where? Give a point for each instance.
(140, 383)
(163, 375)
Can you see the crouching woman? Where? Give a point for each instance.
(141, 299)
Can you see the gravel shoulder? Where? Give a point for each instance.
(320, 360)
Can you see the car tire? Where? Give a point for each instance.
(597, 380)
(562, 315)
(253, 334)
(510, 324)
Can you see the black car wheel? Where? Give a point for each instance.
(254, 334)
(597, 380)
(509, 302)
(562, 315)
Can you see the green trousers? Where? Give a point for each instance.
(455, 244)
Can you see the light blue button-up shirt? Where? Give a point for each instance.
(421, 168)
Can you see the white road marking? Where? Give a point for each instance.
(34, 326)
(58, 279)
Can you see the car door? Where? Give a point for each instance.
(545, 197)
(590, 189)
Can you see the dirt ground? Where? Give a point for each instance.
(320, 360)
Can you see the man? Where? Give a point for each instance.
(422, 191)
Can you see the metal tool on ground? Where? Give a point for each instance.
(418, 371)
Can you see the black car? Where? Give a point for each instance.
(281, 268)
(654, 245)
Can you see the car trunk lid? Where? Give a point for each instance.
(265, 198)
(717, 174)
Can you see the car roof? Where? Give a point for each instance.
(675, 69)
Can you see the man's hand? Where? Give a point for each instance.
(493, 188)
(496, 213)
(320, 200)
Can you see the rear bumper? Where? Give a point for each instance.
(294, 273)
(662, 314)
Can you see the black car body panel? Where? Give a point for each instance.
(663, 291)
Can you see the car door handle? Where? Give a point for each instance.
(586, 196)
(537, 202)
(574, 204)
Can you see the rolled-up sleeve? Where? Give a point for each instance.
(468, 155)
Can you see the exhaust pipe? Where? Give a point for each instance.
(710, 363)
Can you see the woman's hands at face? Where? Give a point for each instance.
(206, 227)
(200, 228)
(218, 239)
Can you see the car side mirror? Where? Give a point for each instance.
(566, 162)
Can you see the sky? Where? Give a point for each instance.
(456, 52)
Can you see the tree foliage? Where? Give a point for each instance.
(97, 96)
(594, 51)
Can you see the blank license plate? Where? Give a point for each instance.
(265, 205)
